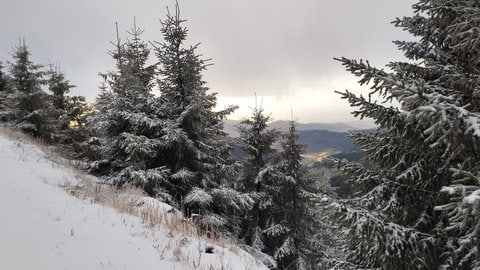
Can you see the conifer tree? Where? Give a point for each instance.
(418, 198)
(59, 87)
(127, 121)
(257, 141)
(195, 149)
(3, 79)
(295, 232)
(68, 112)
(30, 109)
(4, 92)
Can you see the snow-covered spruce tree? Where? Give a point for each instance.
(68, 112)
(195, 149)
(418, 200)
(4, 92)
(295, 234)
(127, 120)
(3, 80)
(59, 87)
(30, 109)
(257, 140)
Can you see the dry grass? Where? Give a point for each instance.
(132, 201)
(128, 200)
(55, 155)
(20, 137)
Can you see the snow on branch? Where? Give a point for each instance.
(198, 196)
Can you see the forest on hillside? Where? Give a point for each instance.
(415, 193)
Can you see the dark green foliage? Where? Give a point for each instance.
(3, 79)
(425, 151)
(195, 149)
(296, 234)
(59, 87)
(4, 93)
(127, 121)
(68, 113)
(30, 109)
(257, 141)
(26, 106)
(284, 224)
(342, 187)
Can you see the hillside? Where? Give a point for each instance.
(324, 140)
(319, 137)
(337, 127)
(43, 226)
(283, 126)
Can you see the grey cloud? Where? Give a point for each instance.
(256, 45)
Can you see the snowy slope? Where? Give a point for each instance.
(43, 227)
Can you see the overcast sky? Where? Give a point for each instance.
(282, 50)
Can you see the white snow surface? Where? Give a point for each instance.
(44, 227)
(472, 198)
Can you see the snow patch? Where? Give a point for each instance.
(43, 227)
(472, 198)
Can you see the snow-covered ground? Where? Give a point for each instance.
(42, 226)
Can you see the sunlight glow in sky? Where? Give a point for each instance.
(305, 101)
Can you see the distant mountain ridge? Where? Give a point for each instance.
(325, 141)
(283, 125)
(338, 127)
(319, 137)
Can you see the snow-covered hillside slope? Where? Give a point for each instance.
(42, 226)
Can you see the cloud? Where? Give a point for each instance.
(264, 46)
(307, 102)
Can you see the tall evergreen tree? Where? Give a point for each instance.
(296, 234)
(30, 109)
(4, 92)
(59, 87)
(64, 107)
(3, 79)
(195, 149)
(418, 198)
(257, 141)
(128, 122)
(68, 112)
